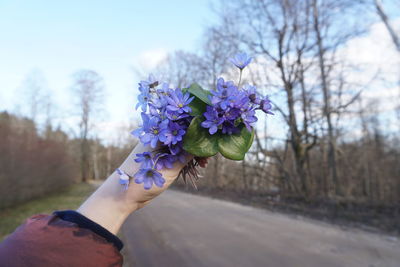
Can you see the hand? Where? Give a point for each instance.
(110, 204)
(136, 193)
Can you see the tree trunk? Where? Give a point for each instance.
(326, 95)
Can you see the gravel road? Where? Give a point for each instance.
(181, 229)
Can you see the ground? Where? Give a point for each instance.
(180, 229)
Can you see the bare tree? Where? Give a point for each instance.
(36, 96)
(383, 16)
(295, 42)
(395, 36)
(88, 88)
(180, 69)
(326, 93)
(278, 31)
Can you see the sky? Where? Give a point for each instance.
(58, 38)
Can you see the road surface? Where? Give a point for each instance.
(180, 229)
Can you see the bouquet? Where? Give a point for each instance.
(178, 122)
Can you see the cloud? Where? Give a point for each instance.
(149, 59)
(374, 53)
(377, 64)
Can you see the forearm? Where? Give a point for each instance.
(110, 205)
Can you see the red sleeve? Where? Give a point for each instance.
(47, 240)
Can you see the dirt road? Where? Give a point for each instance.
(180, 229)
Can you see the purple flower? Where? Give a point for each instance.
(182, 156)
(154, 111)
(266, 106)
(224, 95)
(159, 100)
(213, 120)
(165, 90)
(123, 178)
(249, 118)
(146, 159)
(177, 101)
(140, 131)
(231, 114)
(240, 101)
(151, 82)
(165, 161)
(174, 134)
(252, 93)
(241, 60)
(149, 176)
(178, 152)
(175, 115)
(153, 129)
(175, 149)
(225, 86)
(143, 97)
(228, 127)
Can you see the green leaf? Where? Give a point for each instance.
(199, 92)
(198, 141)
(235, 146)
(251, 140)
(198, 107)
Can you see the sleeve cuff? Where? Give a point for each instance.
(84, 222)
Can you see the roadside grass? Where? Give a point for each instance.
(71, 198)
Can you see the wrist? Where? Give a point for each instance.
(110, 204)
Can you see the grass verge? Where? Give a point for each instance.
(71, 198)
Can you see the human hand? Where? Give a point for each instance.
(111, 204)
(135, 193)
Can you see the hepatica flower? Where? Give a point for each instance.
(177, 101)
(213, 120)
(241, 60)
(224, 94)
(164, 161)
(249, 118)
(266, 106)
(174, 134)
(233, 106)
(147, 177)
(165, 119)
(175, 116)
(145, 159)
(167, 116)
(143, 97)
(153, 130)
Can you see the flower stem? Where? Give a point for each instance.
(240, 77)
(155, 162)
